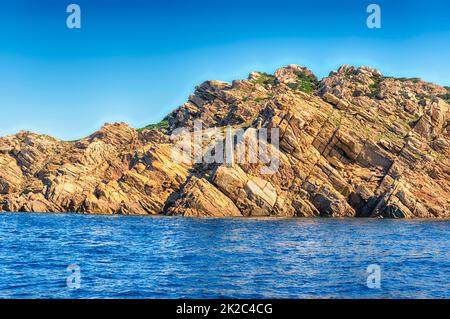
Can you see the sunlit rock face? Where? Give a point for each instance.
(355, 144)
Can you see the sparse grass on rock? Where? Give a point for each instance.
(264, 79)
(163, 124)
(446, 97)
(305, 83)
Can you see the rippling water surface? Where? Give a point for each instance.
(171, 257)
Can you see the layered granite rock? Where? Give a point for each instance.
(355, 144)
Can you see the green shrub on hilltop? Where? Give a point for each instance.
(163, 124)
(403, 79)
(375, 87)
(306, 83)
(446, 97)
(264, 79)
(350, 73)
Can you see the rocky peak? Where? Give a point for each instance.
(348, 70)
(292, 73)
(356, 143)
(117, 134)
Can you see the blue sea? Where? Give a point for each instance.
(176, 257)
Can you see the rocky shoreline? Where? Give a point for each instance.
(354, 144)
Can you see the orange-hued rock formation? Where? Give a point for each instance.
(355, 144)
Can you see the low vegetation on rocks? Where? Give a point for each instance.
(162, 124)
(264, 79)
(307, 83)
(446, 96)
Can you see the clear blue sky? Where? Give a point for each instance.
(135, 61)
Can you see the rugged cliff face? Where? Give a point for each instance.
(353, 144)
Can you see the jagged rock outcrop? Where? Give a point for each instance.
(355, 144)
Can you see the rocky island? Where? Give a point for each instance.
(354, 144)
